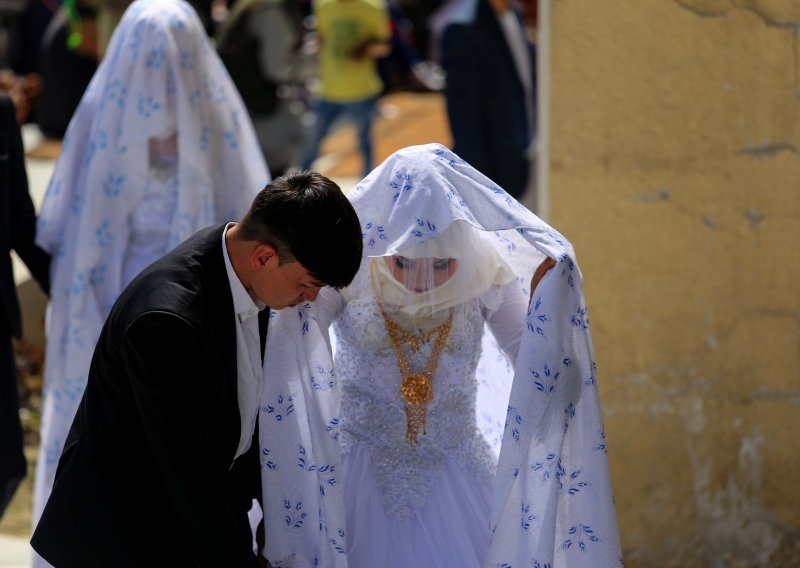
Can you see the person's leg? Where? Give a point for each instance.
(325, 113)
(12, 459)
(362, 113)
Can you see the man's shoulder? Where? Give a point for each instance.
(176, 282)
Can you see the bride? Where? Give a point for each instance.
(455, 427)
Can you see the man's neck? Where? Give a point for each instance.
(236, 252)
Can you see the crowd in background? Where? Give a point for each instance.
(50, 49)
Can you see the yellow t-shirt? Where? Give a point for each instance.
(343, 25)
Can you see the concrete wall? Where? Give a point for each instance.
(675, 171)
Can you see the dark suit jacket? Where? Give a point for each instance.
(17, 220)
(17, 232)
(486, 99)
(146, 476)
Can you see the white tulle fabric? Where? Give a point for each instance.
(105, 215)
(339, 480)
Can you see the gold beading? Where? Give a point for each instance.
(417, 387)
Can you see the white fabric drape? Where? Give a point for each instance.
(552, 501)
(159, 76)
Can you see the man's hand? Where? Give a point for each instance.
(541, 270)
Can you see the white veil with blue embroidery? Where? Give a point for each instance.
(552, 502)
(160, 77)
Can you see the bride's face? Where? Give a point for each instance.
(421, 274)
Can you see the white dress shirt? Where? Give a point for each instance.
(248, 353)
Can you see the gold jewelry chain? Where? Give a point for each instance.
(416, 388)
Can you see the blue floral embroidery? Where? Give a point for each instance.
(591, 381)
(186, 60)
(52, 452)
(146, 106)
(194, 96)
(339, 546)
(154, 58)
(557, 238)
(323, 379)
(282, 408)
(537, 564)
(510, 245)
(112, 185)
(458, 204)
(569, 485)
(97, 275)
(567, 268)
(79, 285)
(103, 234)
(578, 532)
(295, 516)
(71, 335)
(373, 234)
(570, 412)
(230, 138)
(546, 467)
(425, 229)
(214, 92)
(205, 135)
(527, 517)
(580, 319)
(546, 380)
(325, 472)
(501, 193)
(403, 185)
(55, 187)
(176, 22)
(266, 462)
(451, 159)
(515, 419)
(535, 319)
(69, 394)
(333, 428)
(601, 445)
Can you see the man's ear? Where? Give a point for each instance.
(264, 255)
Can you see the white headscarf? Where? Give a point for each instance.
(159, 76)
(479, 268)
(553, 471)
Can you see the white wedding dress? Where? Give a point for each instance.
(426, 504)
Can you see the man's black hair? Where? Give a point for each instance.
(307, 218)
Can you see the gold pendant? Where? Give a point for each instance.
(416, 389)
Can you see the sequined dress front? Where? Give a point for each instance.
(425, 504)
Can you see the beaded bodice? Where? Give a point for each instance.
(373, 412)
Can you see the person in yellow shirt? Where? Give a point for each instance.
(352, 34)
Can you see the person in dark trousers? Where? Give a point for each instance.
(491, 91)
(17, 232)
(160, 466)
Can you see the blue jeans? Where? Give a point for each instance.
(360, 112)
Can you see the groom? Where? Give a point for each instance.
(160, 466)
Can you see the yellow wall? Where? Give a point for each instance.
(675, 171)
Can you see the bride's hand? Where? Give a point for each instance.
(541, 270)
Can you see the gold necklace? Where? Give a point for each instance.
(416, 388)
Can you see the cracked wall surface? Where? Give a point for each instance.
(675, 172)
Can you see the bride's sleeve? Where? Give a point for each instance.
(506, 313)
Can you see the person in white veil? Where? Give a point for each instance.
(458, 423)
(160, 147)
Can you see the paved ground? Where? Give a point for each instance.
(14, 552)
(406, 119)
